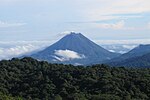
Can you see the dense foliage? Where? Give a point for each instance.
(31, 79)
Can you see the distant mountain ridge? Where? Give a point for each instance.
(137, 57)
(135, 52)
(74, 48)
(140, 61)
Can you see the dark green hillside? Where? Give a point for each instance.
(38, 80)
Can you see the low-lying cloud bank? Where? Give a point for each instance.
(66, 55)
(10, 49)
(122, 48)
(6, 53)
(129, 41)
(6, 24)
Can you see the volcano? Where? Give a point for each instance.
(75, 49)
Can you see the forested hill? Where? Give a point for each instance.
(30, 79)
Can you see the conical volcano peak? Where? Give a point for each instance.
(74, 48)
(74, 33)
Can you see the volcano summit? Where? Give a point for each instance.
(75, 49)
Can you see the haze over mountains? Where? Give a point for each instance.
(140, 61)
(136, 52)
(119, 48)
(139, 57)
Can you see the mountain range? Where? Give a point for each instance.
(76, 49)
(138, 57)
(140, 61)
(135, 52)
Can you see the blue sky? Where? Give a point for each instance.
(97, 19)
(31, 25)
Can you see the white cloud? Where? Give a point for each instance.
(65, 33)
(89, 10)
(98, 8)
(129, 46)
(6, 24)
(118, 25)
(111, 50)
(7, 53)
(119, 48)
(66, 55)
(148, 25)
(129, 41)
(18, 2)
(10, 49)
(80, 11)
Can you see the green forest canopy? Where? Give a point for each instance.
(29, 79)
